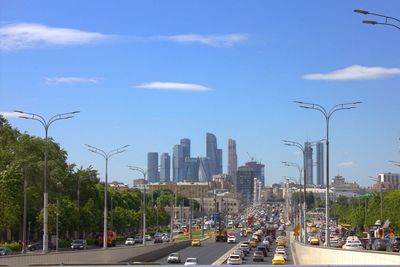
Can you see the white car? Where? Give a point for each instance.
(148, 237)
(235, 259)
(352, 244)
(191, 261)
(129, 241)
(232, 239)
(174, 258)
(281, 252)
(245, 248)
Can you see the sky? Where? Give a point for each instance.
(148, 73)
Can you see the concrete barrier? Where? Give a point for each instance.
(306, 254)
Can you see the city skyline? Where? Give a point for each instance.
(235, 75)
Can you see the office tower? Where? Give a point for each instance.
(204, 170)
(165, 167)
(152, 167)
(259, 171)
(185, 143)
(244, 183)
(191, 169)
(232, 157)
(214, 154)
(177, 163)
(308, 162)
(320, 163)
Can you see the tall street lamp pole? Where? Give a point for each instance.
(327, 114)
(142, 171)
(381, 195)
(46, 124)
(302, 220)
(373, 22)
(106, 156)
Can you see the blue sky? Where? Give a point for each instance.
(148, 73)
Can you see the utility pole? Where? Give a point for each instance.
(202, 217)
(25, 213)
(190, 219)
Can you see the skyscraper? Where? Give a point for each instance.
(308, 160)
(204, 170)
(214, 154)
(152, 167)
(191, 169)
(259, 171)
(165, 167)
(232, 157)
(320, 163)
(244, 183)
(185, 143)
(177, 163)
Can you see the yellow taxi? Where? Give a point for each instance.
(253, 243)
(278, 259)
(249, 231)
(281, 242)
(314, 241)
(313, 230)
(196, 243)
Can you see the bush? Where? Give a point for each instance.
(92, 242)
(63, 243)
(15, 247)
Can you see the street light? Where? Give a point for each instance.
(106, 156)
(142, 171)
(373, 22)
(380, 192)
(327, 114)
(397, 163)
(302, 221)
(46, 124)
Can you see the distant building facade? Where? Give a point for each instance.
(320, 163)
(191, 169)
(213, 154)
(204, 169)
(118, 185)
(185, 143)
(391, 179)
(259, 170)
(141, 184)
(185, 188)
(232, 157)
(223, 181)
(152, 167)
(177, 163)
(244, 183)
(340, 187)
(165, 167)
(308, 162)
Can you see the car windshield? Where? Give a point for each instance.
(174, 254)
(191, 260)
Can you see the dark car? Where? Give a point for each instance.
(4, 251)
(369, 242)
(364, 242)
(394, 244)
(380, 244)
(158, 239)
(263, 249)
(79, 244)
(39, 246)
(138, 239)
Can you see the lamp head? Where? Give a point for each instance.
(361, 11)
(373, 22)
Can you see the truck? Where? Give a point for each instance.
(111, 239)
(221, 235)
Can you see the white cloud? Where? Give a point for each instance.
(212, 40)
(57, 80)
(173, 86)
(355, 72)
(347, 164)
(25, 35)
(8, 114)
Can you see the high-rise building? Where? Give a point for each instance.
(177, 163)
(165, 167)
(185, 143)
(308, 158)
(214, 154)
(259, 170)
(320, 163)
(152, 167)
(191, 169)
(204, 170)
(244, 183)
(232, 157)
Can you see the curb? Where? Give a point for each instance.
(224, 257)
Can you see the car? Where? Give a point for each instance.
(157, 239)
(253, 243)
(314, 241)
(352, 243)
(174, 258)
(266, 242)
(191, 261)
(258, 256)
(39, 246)
(249, 231)
(231, 239)
(369, 242)
(245, 247)
(394, 244)
(4, 251)
(165, 238)
(281, 242)
(234, 259)
(129, 241)
(240, 252)
(263, 250)
(79, 244)
(196, 243)
(281, 252)
(243, 234)
(138, 239)
(380, 244)
(148, 237)
(278, 260)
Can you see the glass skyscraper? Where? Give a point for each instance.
(204, 170)
(177, 163)
(191, 169)
(232, 158)
(308, 151)
(165, 167)
(152, 167)
(214, 154)
(185, 143)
